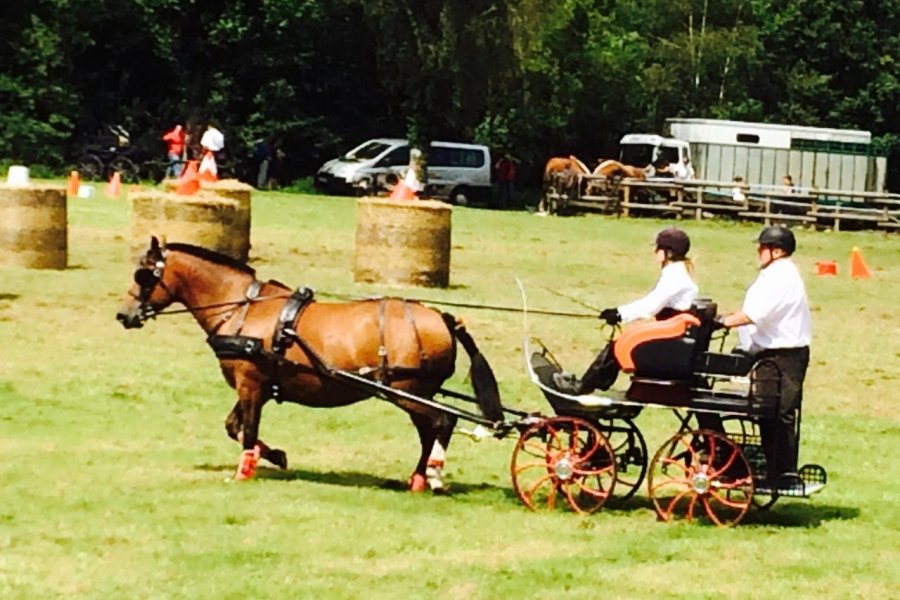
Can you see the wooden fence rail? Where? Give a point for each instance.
(709, 199)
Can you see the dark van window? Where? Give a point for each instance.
(396, 157)
(455, 157)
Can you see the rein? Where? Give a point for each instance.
(426, 301)
(241, 302)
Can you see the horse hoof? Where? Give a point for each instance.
(277, 458)
(417, 483)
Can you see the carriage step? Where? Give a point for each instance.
(806, 482)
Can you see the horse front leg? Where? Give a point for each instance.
(234, 428)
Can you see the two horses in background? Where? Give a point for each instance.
(563, 176)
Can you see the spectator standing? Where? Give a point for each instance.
(506, 177)
(263, 154)
(787, 185)
(176, 144)
(212, 140)
(683, 169)
(739, 191)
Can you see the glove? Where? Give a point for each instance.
(611, 316)
(719, 323)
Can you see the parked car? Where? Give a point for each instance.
(457, 173)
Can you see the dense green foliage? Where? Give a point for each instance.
(535, 76)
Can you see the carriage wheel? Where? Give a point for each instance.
(701, 474)
(128, 171)
(630, 450)
(563, 461)
(90, 168)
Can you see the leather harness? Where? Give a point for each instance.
(241, 347)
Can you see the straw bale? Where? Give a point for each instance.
(204, 219)
(402, 242)
(33, 226)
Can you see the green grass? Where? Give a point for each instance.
(114, 455)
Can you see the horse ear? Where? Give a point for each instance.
(154, 243)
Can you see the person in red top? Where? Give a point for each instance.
(175, 139)
(506, 176)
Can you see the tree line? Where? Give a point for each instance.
(535, 77)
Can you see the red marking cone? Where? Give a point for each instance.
(826, 267)
(190, 180)
(114, 187)
(74, 182)
(858, 268)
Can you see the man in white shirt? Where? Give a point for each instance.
(212, 140)
(775, 324)
(683, 169)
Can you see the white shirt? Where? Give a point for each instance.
(674, 289)
(737, 194)
(212, 139)
(776, 303)
(681, 170)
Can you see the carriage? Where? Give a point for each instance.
(273, 343)
(715, 474)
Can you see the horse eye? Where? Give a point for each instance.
(144, 277)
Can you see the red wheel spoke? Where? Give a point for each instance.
(669, 481)
(728, 463)
(598, 471)
(600, 493)
(729, 503)
(531, 465)
(670, 509)
(691, 506)
(677, 463)
(531, 490)
(712, 514)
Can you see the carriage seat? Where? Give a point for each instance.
(668, 349)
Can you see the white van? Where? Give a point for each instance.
(458, 173)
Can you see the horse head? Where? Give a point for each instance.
(149, 293)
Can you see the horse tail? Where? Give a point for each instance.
(484, 383)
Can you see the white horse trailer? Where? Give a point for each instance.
(836, 159)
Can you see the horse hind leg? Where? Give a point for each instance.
(434, 471)
(427, 436)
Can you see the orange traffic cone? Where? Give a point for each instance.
(190, 180)
(406, 188)
(208, 169)
(858, 268)
(402, 192)
(114, 187)
(74, 182)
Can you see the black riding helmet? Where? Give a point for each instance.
(778, 236)
(674, 240)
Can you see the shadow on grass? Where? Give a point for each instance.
(352, 479)
(8, 296)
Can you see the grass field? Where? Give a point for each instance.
(114, 455)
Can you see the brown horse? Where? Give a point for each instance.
(560, 173)
(615, 169)
(275, 344)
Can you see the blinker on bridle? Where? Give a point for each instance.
(147, 278)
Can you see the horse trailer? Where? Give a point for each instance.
(834, 159)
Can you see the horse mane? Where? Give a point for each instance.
(211, 256)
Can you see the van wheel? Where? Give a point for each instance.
(461, 196)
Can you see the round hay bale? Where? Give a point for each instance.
(33, 227)
(203, 219)
(402, 242)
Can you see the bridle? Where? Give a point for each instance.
(148, 277)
